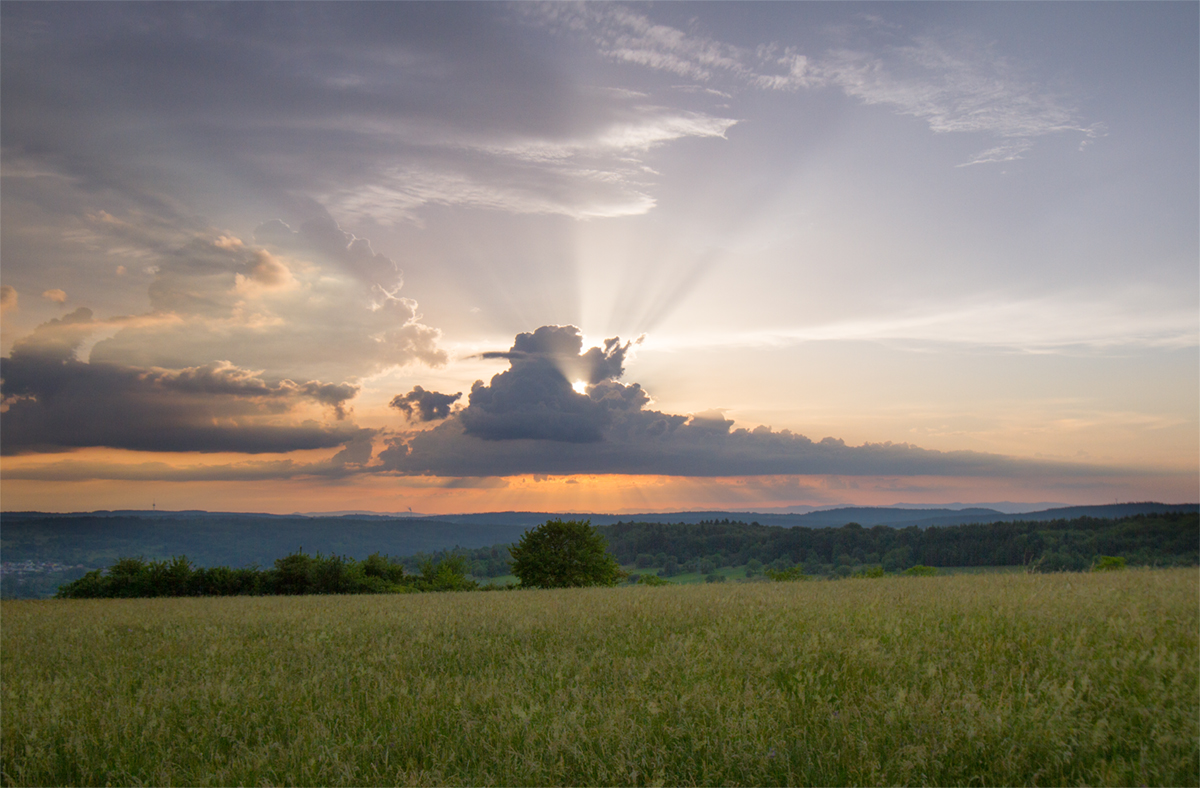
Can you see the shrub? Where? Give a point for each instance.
(795, 573)
(653, 580)
(449, 574)
(920, 570)
(1108, 563)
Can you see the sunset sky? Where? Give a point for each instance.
(459, 257)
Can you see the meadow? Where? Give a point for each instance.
(994, 679)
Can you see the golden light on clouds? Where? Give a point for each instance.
(368, 291)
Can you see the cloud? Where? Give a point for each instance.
(58, 339)
(323, 236)
(339, 466)
(8, 298)
(376, 111)
(535, 399)
(598, 172)
(421, 405)
(1009, 151)
(55, 295)
(625, 35)
(1084, 322)
(954, 83)
(957, 86)
(53, 402)
(529, 420)
(311, 308)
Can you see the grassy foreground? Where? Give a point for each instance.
(966, 680)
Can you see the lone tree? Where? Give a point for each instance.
(564, 554)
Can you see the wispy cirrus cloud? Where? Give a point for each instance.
(1135, 319)
(957, 86)
(376, 112)
(597, 173)
(953, 83)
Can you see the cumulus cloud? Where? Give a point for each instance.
(322, 235)
(421, 405)
(8, 298)
(297, 312)
(55, 295)
(529, 420)
(263, 271)
(52, 402)
(536, 398)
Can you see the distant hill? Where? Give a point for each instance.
(97, 539)
(828, 518)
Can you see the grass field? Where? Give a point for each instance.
(997, 679)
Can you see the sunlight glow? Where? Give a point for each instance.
(580, 386)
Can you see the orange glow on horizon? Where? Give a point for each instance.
(608, 494)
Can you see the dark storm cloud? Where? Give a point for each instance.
(351, 460)
(561, 347)
(421, 405)
(54, 402)
(529, 420)
(535, 398)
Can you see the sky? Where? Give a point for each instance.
(608, 257)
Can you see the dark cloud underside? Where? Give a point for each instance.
(529, 420)
(55, 402)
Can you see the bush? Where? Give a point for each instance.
(383, 567)
(795, 573)
(1108, 563)
(449, 574)
(653, 580)
(564, 554)
(920, 570)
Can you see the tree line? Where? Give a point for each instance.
(1168, 539)
(571, 553)
(556, 554)
(298, 573)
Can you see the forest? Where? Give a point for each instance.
(1165, 539)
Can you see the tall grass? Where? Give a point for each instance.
(966, 680)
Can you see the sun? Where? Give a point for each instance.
(580, 386)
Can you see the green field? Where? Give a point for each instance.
(995, 679)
